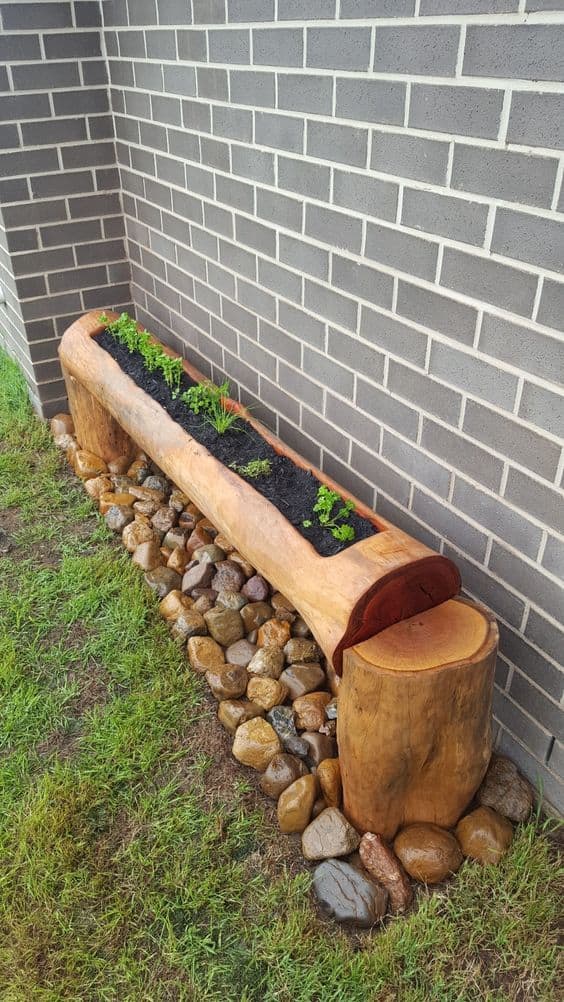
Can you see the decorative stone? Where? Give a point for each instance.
(198, 537)
(118, 516)
(273, 633)
(228, 577)
(225, 625)
(231, 600)
(319, 806)
(204, 603)
(283, 608)
(310, 710)
(229, 682)
(119, 465)
(97, 486)
(320, 746)
(240, 653)
(268, 661)
(296, 803)
(166, 553)
(300, 628)
(223, 542)
(329, 728)
(267, 692)
(157, 483)
(122, 485)
(147, 494)
(329, 776)
(301, 650)
(210, 554)
(173, 604)
(61, 424)
(87, 465)
(282, 719)
(329, 835)
(66, 442)
(147, 556)
(197, 577)
(427, 852)
(164, 519)
(205, 654)
(175, 537)
(138, 471)
(282, 771)
(331, 709)
(255, 614)
(385, 867)
(252, 637)
(256, 588)
(301, 679)
(348, 895)
(246, 567)
(484, 835)
(178, 560)
(189, 623)
(145, 508)
(505, 790)
(109, 498)
(205, 592)
(187, 520)
(178, 500)
(256, 743)
(162, 580)
(208, 527)
(136, 533)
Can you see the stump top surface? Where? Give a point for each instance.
(451, 633)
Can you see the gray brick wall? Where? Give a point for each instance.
(354, 213)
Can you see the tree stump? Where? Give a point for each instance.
(414, 723)
(95, 428)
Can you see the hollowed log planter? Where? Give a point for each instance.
(414, 724)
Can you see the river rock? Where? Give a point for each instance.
(147, 556)
(164, 519)
(300, 628)
(505, 790)
(256, 743)
(320, 746)
(161, 580)
(484, 835)
(198, 576)
(210, 554)
(328, 835)
(310, 710)
(175, 537)
(110, 498)
(267, 692)
(329, 776)
(143, 493)
(145, 508)
(268, 661)
(187, 520)
(118, 516)
(428, 853)
(189, 623)
(385, 867)
(273, 633)
(136, 533)
(331, 709)
(296, 804)
(225, 625)
(205, 654)
(283, 608)
(282, 719)
(282, 771)
(178, 500)
(173, 604)
(246, 567)
(228, 577)
(198, 537)
(119, 465)
(88, 465)
(223, 541)
(298, 649)
(61, 424)
(208, 527)
(231, 600)
(138, 471)
(256, 588)
(157, 482)
(349, 895)
(240, 653)
(228, 682)
(97, 486)
(255, 614)
(204, 602)
(178, 560)
(232, 713)
(303, 678)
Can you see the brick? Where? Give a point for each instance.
(253, 234)
(553, 557)
(522, 51)
(489, 281)
(178, 79)
(401, 250)
(546, 712)
(21, 240)
(469, 111)
(148, 76)
(161, 44)
(94, 72)
(192, 46)
(355, 354)
(196, 115)
(469, 458)
(304, 326)
(278, 342)
(232, 46)
(240, 319)
(47, 133)
(546, 593)
(185, 205)
(305, 92)
(473, 375)
(298, 10)
(545, 635)
(366, 195)
(209, 11)
(280, 280)
(15, 107)
(391, 335)
(45, 76)
(257, 165)
(37, 15)
(450, 525)
(14, 190)
(536, 119)
(105, 250)
(513, 177)
(377, 8)
(479, 582)
(280, 209)
(529, 238)
(362, 281)
(409, 156)
(536, 666)
(51, 185)
(299, 386)
(431, 7)
(174, 12)
(250, 10)
(212, 83)
(543, 408)
(304, 178)
(167, 110)
(221, 279)
(260, 360)
(551, 309)
(279, 131)
(523, 347)
(218, 220)
(255, 89)
(513, 440)
(303, 256)
(334, 228)
(378, 472)
(324, 433)
(513, 718)
(31, 288)
(214, 153)
(183, 144)
(424, 392)
(330, 304)
(237, 259)
(28, 162)
(142, 11)
(450, 217)
(342, 143)
(358, 425)
(256, 299)
(417, 49)
(14, 48)
(69, 44)
(278, 46)
(339, 48)
(78, 278)
(418, 466)
(379, 101)
(235, 193)
(387, 409)
(43, 261)
(233, 123)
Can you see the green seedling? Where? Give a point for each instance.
(125, 330)
(201, 397)
(335, 522)
(221, 418)
(254, 468)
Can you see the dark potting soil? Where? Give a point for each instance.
(289, 488)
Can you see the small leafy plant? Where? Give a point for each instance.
(125, 330)
(254, 468)
(336, 522)
(202, 397)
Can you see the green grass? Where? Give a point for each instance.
(121, 876)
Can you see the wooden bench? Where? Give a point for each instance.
(414, 724)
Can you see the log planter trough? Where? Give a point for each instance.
(412, 662)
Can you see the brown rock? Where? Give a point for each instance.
(166, 554)
(161, 580)
(87, 465)
(310, 710)
(225, 625)
(283, 608)
(210, 554)
(110, 498)
(385, 867)
(296, 803)
(273, 633)
(208, 527)
(136, 533)
(256, 743)
(61, 424)
(348, 894)
(148, 494)
(231, 600)
(119, 465)
(178, 560)
(118, 516)
(229, 682)
(427, 852)
(240, 653)
(147, 556)
(122, 485)
(198, 537)
(256, 588)
(505, 790)
(319, 806)
(178, 500)
(223, 541)
(282, 771)
(268, 661)
(329, 835)
(228, 577)
(300, 628)
(138, 471)
(175, 537)
(188, 521)
(246, 567)
(255, 614)
(205, 654)
(145, 508)
(329, 776)
(303, 678)
(267, 692)
(189, 623)
(321, 746)
(173, 604)
(198, 576)
(232, 713)
(484, 835)
(301, 650)
(164, 519)
(204, 603)
(97, 486)
(66, 443)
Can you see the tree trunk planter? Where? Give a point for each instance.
(415, 702)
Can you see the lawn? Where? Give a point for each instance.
(138, 862)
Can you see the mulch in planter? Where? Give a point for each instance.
(290, 489)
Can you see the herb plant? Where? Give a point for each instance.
(254, 468)
(336, 522)
(124, 330)
(201, 397)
